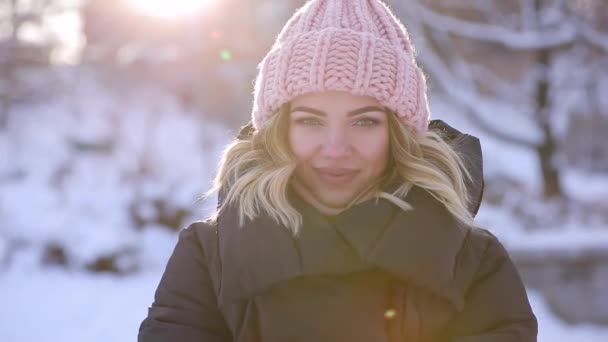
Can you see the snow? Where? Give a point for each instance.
(570, 238)
(53, 305)
(550, 328)
(70, 170)
(585, 185)
(83, 160)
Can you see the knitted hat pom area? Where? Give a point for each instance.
(356, 46)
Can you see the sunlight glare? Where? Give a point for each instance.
(168, 8)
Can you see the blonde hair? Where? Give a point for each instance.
(255, 172)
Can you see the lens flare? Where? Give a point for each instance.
(390, 314)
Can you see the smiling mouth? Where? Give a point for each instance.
(336, 176)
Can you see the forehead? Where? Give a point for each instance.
(334, 101)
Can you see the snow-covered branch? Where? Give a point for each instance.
(473, 75)
(467, 81)
(515, 40)
(528, 15)
(598, 39)
(509, 91)
(467, 95)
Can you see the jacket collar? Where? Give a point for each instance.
(419, 246)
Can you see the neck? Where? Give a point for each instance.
(311, 199)
(306, 194)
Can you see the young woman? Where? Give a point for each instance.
(344, 214)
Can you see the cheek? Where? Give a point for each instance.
(302, 143)
(375, 151)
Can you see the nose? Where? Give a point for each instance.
(336, 144)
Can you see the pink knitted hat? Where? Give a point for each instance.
(358, 46)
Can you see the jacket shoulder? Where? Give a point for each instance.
(484, 240)
(481, 251)
(205, 235)
(496, 303)
(185, 302)
(204, 232)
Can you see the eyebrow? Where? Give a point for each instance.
(351, 113)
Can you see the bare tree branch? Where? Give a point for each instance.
(598, 39)
(511, 92)
(515, 40)
(466, 95)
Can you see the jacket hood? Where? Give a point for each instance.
(469, 148)
(418, 246)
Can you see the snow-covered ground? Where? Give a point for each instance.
(54, 305)
(551, 328)
(76, 168)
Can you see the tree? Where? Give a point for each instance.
(511, 57)
(18, 54)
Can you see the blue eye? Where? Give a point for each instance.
(308, 122)
(366, 122)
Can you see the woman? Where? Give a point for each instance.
(344, 215)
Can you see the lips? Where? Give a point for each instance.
(336, 176)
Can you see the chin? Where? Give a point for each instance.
(335, 200)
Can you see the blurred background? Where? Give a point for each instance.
(113, 114)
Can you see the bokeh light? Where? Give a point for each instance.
(225, 55)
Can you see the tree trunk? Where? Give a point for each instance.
(4, 109)
(551, 177)
(546, 150)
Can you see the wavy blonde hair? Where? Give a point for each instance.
(255, 172)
